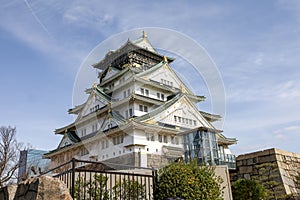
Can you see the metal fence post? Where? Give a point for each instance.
(154, 183)
(73, 178)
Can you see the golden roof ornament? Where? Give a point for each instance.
(165, 59)
(95, 84)
(144, 34)
(109, 108)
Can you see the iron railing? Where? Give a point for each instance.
(89, 180)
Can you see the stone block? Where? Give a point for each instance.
(41, 188)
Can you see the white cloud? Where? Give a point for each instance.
(36, 34)
(287, 92)
(259, 63)
(259, 59)
(87, 16)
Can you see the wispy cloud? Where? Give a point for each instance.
(31, 29)
(257, 52)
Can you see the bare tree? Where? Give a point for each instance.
(9, 154)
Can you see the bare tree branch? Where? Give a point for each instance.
(9, 154)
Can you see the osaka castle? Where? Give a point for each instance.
(140, 113)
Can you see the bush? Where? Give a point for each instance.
(129, 189)
(188, 181)
(247, 189)
(92, 189)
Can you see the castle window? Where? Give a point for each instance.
(176, 140)
(165, 139)
(104, 144)
(150, 137)
(166, 82)
(160, 138)
(144, 92)
(94, 127)
(83, 132)
(160, 96)
(143, 108)
(128, 92)
(130, 112)
(186, 121)
(118, 139)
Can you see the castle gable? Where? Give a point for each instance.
(65, 141)
(94, 103)
(109, 123)
(111, 71)
(164, 74)
(69, 138)
(181, 113)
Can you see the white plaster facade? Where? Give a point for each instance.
(138, 108)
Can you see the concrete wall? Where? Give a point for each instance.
(222, 171)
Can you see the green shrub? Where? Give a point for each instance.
(247, 189)
(188, 181)
(129, 189)
(91, 189)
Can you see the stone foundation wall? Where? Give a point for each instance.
(156, 161)
(130, 159)
(288, 165)
(133, 159)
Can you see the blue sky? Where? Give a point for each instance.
(255, 44)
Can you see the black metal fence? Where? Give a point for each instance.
(88, 180)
